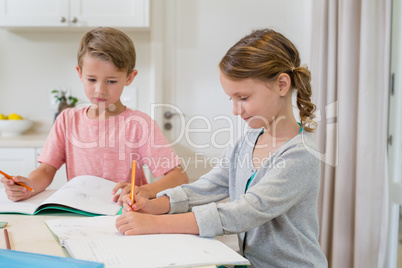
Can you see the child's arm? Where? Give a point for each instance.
(175, 177)
(134, 223)
(38, 180)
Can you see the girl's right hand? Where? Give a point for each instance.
(142, 204)
(17, 192)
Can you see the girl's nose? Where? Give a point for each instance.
(236, 108)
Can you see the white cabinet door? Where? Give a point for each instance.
(60, 178)
(22, 161)
(34, 13)
(116, 13)
(17, 161)
(74, 13)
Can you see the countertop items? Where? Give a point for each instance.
(14, 127)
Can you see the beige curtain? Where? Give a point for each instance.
(350, 60)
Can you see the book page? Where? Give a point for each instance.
(160, 250)
(25, 206)
(88, 193)
(88, 227)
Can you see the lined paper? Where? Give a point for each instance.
(78, 228)
(159, 250)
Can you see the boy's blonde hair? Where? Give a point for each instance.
(264, 55)
(108, 44)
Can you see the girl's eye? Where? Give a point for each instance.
(243, 98)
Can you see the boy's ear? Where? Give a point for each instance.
(131, 77)
(79, 71)
(284, 83)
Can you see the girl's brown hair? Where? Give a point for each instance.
(108, 44)
(264, 55)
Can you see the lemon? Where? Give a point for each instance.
(14, 117)
(3, 117)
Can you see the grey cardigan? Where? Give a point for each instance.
(276, 218)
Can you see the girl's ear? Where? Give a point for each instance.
(284, 83)
(79, 71)
(131, 77)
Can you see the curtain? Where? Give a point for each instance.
(350, 65)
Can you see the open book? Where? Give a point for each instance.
(87, 195)
(97, 239)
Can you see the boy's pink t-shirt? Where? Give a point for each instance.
(106, 148)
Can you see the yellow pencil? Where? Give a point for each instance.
(132, 194)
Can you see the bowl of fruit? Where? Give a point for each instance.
(13, 125)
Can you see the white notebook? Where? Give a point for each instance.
(88, 195)
(83, 227)
(97, 239)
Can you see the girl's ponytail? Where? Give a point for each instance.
(302, 83)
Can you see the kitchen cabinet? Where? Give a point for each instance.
(17, 161)
(72, 14)
(22, 160)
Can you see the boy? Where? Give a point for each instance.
(104, 138)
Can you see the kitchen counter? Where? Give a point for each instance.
(28, 139)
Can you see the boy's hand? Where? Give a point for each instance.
(17, 192)
(134, 223)
(125, 189)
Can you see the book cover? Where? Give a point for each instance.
(13, 258)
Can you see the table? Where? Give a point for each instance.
(29, 233)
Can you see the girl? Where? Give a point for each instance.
(270, 175)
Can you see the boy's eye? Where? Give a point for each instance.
(111, 81)
(91, 80)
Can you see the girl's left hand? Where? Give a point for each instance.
(134, 223)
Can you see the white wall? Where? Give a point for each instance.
(34, 62)
(198, 34)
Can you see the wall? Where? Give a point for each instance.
(32, 63)
(197, 34)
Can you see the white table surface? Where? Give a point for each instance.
(30, 234)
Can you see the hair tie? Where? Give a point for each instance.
(293, 69)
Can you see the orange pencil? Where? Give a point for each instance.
(19, 183)
(132, 194)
